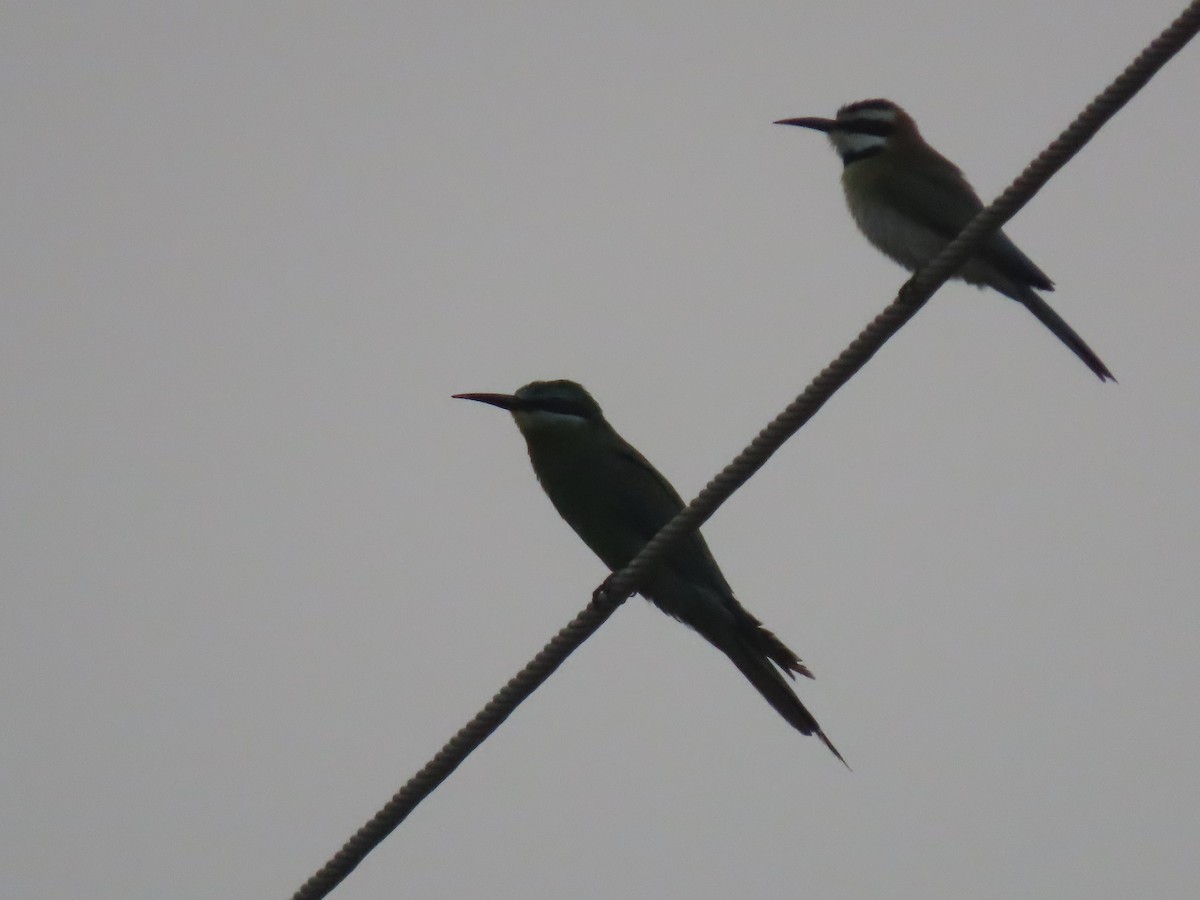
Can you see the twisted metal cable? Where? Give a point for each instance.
(621, 585)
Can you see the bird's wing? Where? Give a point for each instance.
(692, 563)
(944, 202)
(646, 501)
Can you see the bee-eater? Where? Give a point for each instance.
(910, 202)
(616, 502)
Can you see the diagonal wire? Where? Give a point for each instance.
(621, 585)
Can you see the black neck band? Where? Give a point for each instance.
(865, 153)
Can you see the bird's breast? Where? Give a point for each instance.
(889, 229)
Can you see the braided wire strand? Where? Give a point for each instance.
(621, 585)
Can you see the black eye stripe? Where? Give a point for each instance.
(877, 127)
(559, 406)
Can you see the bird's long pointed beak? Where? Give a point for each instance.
(817, 124)
(504, 401)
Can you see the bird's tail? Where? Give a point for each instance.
(758, 669)
(1064, 332)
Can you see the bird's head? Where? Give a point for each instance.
(546, 406)
(864, 129)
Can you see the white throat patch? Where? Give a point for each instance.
(848, 143)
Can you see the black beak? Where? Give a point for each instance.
(825, 125)
(504, 401)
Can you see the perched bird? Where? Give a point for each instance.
(616, 501)
(910, 202)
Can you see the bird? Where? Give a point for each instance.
(616, 501)
(910, 202)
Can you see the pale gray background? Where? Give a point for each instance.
(258, 565)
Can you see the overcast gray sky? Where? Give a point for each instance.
(258, 565)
